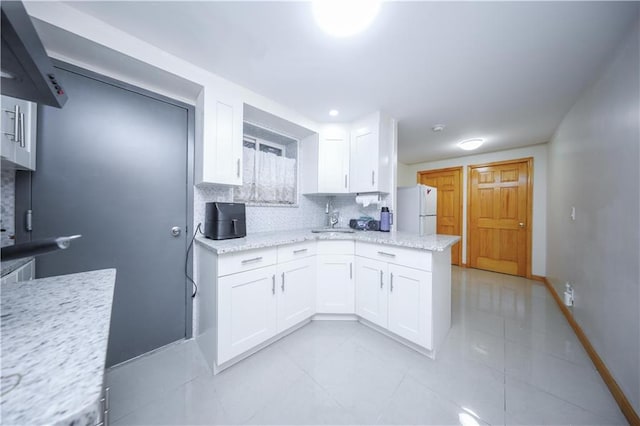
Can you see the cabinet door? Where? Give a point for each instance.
(364, 158)
(19, 132)
(410, 304)
(246, 311)
(219, 157)
(296, 292)
(333, 160)
(372, 289)
(335, 287)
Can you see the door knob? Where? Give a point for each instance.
(175, 231)
(521, 224)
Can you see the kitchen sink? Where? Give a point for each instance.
(343, 230)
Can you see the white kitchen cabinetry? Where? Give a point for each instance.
(336, 290)
(218, 157)
(326, 161)
(410, 304)
(24, 273)
(255, 297)
(296, 292)
(18, 122)
(372, 151)
(336, 278)
(372, 291)
(395, 296)
(247, 311)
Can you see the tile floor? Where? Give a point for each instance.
(510, 358)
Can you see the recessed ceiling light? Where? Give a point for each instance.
(438, 128)
(334, 113)
(344, 18)
(471, 144)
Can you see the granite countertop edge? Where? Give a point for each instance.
(59, 322)
(260, 240)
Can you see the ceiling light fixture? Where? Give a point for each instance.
(344, 18)
(438, 128)
(334, 113)
(471, 144)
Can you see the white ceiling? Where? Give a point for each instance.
(503, 71)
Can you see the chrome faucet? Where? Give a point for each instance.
(333, 216)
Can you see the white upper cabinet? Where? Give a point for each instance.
(351, 158)
(372, 152)
(333, 160)
(19, 119)
(219, 140)
(326, 161)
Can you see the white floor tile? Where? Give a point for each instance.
(528, 405)
(145, 379)
(304, 403)
(358, 381)
(415, 404)
(509, 358)
(571, 382)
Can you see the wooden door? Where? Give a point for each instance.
(449, 209)
(499, 217)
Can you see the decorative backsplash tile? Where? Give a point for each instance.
(8, 196)
(310, 212)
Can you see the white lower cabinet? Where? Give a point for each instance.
(395, 297)
(372, 291)
(410, 304)
(255, 305)
(247, 311)
(336, 286)
(296, 292)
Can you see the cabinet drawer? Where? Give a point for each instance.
(413, 258)
(336, 247)
(290, 252)
(231, 263)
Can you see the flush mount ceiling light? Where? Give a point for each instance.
(334, 113)
(471, 144)
(437, 128)
(344, 18)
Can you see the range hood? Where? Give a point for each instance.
(27, 71)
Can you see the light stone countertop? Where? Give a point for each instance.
(9, 266)
(54, 345)
(272, 239)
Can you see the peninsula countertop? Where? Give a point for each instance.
(436, 242)
(54, 344)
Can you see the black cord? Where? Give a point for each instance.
(186, 261)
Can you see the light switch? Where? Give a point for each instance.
(573, 213)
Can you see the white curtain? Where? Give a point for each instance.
(267, 178)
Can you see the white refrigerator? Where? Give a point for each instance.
(416, 209)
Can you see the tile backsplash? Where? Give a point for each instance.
(308, 213)
(8, 196)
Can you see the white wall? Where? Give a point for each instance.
(593, 165)
(407, 176)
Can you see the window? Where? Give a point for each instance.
(269, 168)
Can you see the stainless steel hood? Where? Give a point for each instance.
(27, 71)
